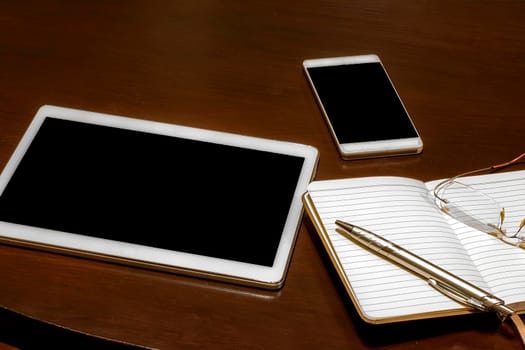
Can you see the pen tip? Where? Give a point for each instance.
(344, 225)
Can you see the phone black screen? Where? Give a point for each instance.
(361, 103)
(160, 191)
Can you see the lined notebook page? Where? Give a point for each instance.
(501, 265)
(402, 211)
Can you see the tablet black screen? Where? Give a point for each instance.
(160, 191)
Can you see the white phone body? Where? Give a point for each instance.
(364, 112)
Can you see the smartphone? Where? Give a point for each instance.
(362, 108)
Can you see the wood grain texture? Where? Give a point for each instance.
(236, 66)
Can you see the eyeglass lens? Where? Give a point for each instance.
(470, 206)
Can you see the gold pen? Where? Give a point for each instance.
(443, 281)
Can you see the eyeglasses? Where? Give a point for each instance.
(476, 209)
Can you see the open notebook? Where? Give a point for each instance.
(404, 211)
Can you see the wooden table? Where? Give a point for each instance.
(236, 66)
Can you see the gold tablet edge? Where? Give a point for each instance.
(147, 265)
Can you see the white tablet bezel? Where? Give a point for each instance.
(245, 273)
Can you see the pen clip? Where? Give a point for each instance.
(456, 295)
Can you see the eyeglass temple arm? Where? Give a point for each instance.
(502, 165)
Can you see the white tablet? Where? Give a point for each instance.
(175, 198)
